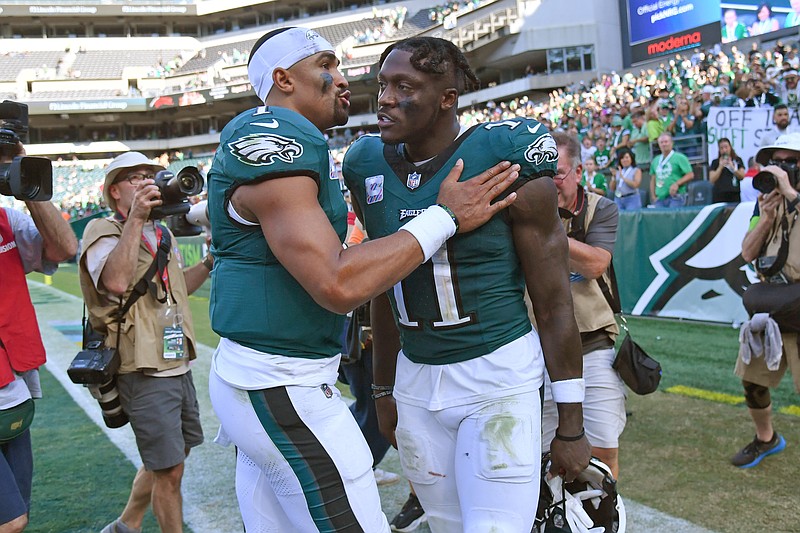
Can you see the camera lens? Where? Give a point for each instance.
(764, 182)
(107, 395)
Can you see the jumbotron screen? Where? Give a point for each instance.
(661, 27)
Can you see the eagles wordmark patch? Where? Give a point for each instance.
(258, 149)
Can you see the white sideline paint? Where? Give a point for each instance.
(209, 498)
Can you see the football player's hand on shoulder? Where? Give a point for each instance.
(471, 200)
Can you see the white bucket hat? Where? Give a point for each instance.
(123, 162)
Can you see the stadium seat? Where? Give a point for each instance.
(699, 193)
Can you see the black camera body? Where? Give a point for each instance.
(95, 364)
(193, 223)
(96, 368)
(765, 181)
(25, 178)
(175, 191)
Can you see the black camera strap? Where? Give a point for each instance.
(783, 251)
(146, 283)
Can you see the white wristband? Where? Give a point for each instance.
(431, 228)
(568, 390)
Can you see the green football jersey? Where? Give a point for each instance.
(467, 300)
(255, 301)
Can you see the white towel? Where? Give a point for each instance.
(761, 336)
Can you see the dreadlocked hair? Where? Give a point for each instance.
(437, 56)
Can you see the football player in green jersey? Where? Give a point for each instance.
(281, 280)
(461, 399)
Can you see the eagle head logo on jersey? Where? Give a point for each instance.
(542, 150)
(265, 148)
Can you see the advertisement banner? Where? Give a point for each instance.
(50, 107)
(686, 39)
(649, 19)
(684, 263)
(96, 10)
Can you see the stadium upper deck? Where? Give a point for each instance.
(174, 80)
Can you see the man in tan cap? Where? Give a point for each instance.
(155, 335)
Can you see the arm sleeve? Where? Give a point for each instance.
(29, 243)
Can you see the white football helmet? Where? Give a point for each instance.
(590, 504)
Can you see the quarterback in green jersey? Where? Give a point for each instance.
(282, 281)
(464, 409)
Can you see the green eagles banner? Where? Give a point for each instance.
(684, 263)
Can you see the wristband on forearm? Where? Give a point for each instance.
(568, 390)
(574, 438)
(379, 391)
(431, 228)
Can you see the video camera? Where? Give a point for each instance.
(25, 178)
(766, 182)
(175, 191)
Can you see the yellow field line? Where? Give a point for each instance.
(706, 395)
(790, 410)
(720, 397)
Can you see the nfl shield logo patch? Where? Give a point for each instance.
(374, 185)
(412, 182)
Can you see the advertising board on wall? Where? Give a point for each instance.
(662, 27)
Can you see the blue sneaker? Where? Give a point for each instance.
(753, 453)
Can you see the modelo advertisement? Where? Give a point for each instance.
(664, 27)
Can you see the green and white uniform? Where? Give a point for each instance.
(303, 464)
(467, 300)
(255, 301)
(468, 375)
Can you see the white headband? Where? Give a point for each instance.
(282, 51)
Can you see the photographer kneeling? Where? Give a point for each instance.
(155, 336)
(773, 243)
(27, 243)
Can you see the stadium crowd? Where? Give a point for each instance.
(673, 98)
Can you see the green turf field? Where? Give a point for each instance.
(673, 455)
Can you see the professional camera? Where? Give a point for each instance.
(94, 364)
(195, 221)
(25, 178)
(766, 182)
(175, 190)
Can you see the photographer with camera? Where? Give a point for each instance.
(774, 245)
(27, 243)
(155, 337)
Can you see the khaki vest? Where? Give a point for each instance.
(773, 244)
(142, 342)
(592, 312)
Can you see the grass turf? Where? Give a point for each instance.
(80, 477)
(674, 452)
